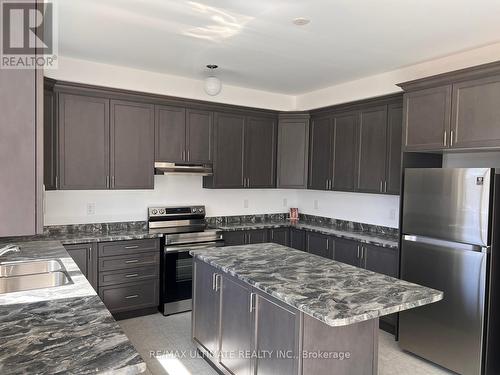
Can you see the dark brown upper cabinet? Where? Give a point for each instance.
(345, 151)
(228, 146)
(260, 152)
(170, 129)
(455, 110)
(427, 119)
(475, 119)
(293, 151)
(199, 129)
(321, 153)
(132, 145)
(83, 142)
(183, 135)
(49, 139)
(394, 136)
(372, 152)
(245, 152)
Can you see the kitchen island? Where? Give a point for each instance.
(267, 308)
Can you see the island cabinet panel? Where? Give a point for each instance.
(372, 152)
(320, 244)
(476, 113)
(298, 239)
(280, 236)
(206, 295)
(235, 325)
(132, 145)
(277, 331)
(199, 133)
(360, 340)
(170, 129)
(85, 257)
(321, 151)
(345, 151)
(293, 150)
(394, 142)
(427, 119)
(347, 251)
(83, 142)
(260, 152)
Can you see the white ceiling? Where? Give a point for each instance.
(256, 45)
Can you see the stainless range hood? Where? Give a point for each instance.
(185, 169)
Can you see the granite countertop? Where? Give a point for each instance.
(332, 292)
(61, 330)
(364, 237)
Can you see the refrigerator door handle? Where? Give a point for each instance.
(439, 242)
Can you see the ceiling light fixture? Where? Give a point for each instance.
(300, 21)
(213, 85)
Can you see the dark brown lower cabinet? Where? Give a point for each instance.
(374, 258)
(85, 257)
(319, 244)
(347, 251)
(280, 236)
(129, 275)
(298, 239)
(245, 237)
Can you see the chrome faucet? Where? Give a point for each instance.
(9, 248)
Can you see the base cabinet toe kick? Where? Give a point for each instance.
(242, 331)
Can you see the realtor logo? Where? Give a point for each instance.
(27, 34)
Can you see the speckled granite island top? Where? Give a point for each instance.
(332, 292)
(62, 330)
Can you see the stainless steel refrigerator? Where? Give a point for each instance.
(447, 234)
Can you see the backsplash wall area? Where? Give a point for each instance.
(82, 207)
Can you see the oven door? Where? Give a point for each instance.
(177, 276)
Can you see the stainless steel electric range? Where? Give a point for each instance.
(185, 229)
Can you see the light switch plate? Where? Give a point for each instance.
(285, 202)
(245, 203)
(316, 204)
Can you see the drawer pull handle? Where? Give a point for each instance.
(132, 296)
(132, 261)
(132, 275)
(132, 247)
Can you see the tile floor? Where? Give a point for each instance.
(171, 336)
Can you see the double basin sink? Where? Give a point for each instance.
(32, 274)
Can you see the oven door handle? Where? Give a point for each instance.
(186, 248)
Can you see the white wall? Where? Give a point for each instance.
(364, 208)
(70, 207)
(89, 72)
(385, 83)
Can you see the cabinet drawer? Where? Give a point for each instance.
(128, 261)
(127, 297)
(127, 247)
(127, 276)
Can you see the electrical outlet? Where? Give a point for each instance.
(392, 214)
(285, 202)
(316, 204)
(245, 203)
(91, 208)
